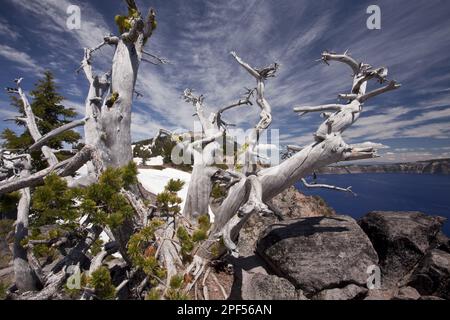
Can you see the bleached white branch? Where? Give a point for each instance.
(326, 186)
(344, 58)
(391, 86)
(326, 107)
(63, 169)
(39, 143)
(158, 59)
(32, 127)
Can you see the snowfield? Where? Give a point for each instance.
(155, 180)
(154, 161)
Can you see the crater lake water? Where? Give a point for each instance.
(429, 193)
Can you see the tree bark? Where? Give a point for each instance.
(24, 277)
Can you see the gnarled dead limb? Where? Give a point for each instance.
(158, 135)
(391, 86)
(367, 74)
(345, 115)
(344, 58)
(205, 152)
(327, 107)
(249, 157)
(53, 284)
(63, 169)
(158, 60)
(275, 179)
(240, 102)
(32, 127)
(326, 186)
(142, 211)
(41, 141)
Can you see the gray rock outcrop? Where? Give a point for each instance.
(318, 253)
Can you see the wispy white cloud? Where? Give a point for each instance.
(7, 30)
(22, 59)
(197, 36)
(52, 17)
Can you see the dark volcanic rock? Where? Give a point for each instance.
(407, 293)
(318, 253)
(293, 204)
(257, 286)
(443, 242)
(430, 298)
(401, 239)
(432, 276)
(349, 292)
(290, 204)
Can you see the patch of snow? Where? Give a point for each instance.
(154, 180)
(83, 171)
(153, 161)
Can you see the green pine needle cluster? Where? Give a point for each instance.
(140, 152)
(43, 250)
(103, 200)
(203, 227)
(216, 248)
(6, 226)
(175, 291)
(54, 202)
(153, 294)
(3, 289)
(168, 201)
(96, 247)
(218, 192)
(188, 242)
(124, 22)
(142, 250)
(101, 282)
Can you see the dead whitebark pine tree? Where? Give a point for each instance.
(251, 192)
(107, 127)
(107, 133)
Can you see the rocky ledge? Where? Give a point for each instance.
(437, 166)
(309, 255)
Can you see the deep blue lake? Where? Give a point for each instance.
(387, 191)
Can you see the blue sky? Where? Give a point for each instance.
(197, 36)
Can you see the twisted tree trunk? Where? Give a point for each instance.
(24, 277)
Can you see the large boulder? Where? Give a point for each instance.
(407, 293)
(318, 253)
(289, 204)
(293, 204)
(349, 292)
(257, 286)
(432, 275)
(401, 239)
